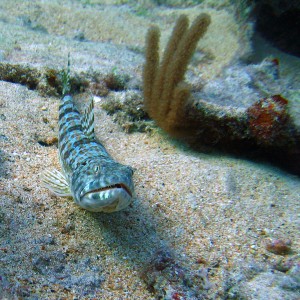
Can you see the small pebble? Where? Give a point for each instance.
(51, 140)
(97, 99)
(68, 228)
(283, 265)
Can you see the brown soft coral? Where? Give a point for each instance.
(165, 93)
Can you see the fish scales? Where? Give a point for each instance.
(95, 180)
(74, 146)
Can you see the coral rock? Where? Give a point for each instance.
(267, 119)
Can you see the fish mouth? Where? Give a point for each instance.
(109, 187)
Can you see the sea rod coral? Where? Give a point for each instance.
(165, 92)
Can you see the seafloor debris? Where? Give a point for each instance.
(252, 280)
(49, 81)
(127, 110)
(168, 280)
(279, 246)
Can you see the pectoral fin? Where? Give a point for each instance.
(87, 121)
(56, 182)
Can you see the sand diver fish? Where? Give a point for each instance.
(89, 174)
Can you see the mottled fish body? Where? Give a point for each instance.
(89, 174)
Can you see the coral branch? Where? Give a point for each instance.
(162, 80)
(165, 94)
(151, 66)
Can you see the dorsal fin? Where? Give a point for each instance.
(87, 121)
(65, 74)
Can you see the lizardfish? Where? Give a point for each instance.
(89, 174)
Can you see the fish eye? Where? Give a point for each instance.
(97, 169)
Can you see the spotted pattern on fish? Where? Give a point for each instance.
(89, 174)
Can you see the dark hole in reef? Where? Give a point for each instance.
(280, 26)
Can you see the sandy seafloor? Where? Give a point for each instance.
(212, 214)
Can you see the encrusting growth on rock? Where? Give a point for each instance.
(165, 92)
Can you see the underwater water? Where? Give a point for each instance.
(214, 146)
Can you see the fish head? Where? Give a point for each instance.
(104, 186)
